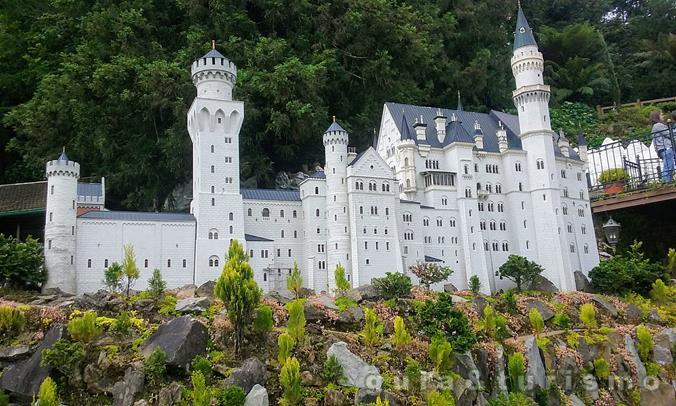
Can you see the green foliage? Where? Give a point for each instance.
(671, 261)
(373, 328)
(439, 315)
(21, 263)
(12, 320)
(488, 323)
(202, 364)
(413, 374)
(344, 303)
(536, 321)
(333, 371)
(201, 395)
(295, 281)
(168, 305)
(601, 369)
(501, 327)
(64, 357)
(652, 368)
(112, 277)
(84, 328)
(516, 370)
(574, 118)
(660, 293)
(627, 272)
(443, 398)
(4, 398)
(441, 354)
(263, 322)
(231, 396)
(342, 284)
(474, 285)
(393, 285)
(121, 325)
(289, 378)
(130, 271)
(520, 270)
(613, 175)
(47, 394)
(588, 315)
(561, 320)
(512, 399)
(296, 322)
(238, 291)
(400, 338)
(157, 285)
(510, 300)
(155, 366)
(430, 273)
(285, 344)
(644, 343)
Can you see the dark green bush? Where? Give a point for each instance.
(393, 285)
(202, 364)
(439, 315)
(21, 263)
(231, 396)
(333, 371)
(263, 322)
(155, 367)
(64, 357)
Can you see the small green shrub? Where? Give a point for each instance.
(536, 321)
(289, 378)
(393, 285)
(231, 396)
(510, 300)
(64, 357)
(660, 293)
(501, 327)
(520, 270)
(344, 303)
(440, 315)
(601, 369)
(652, 368)
(21, 263)
(588, 316)
(613, 175)
(155, 367)
(373, 329)
(156, 285)
(443, 398)
(168, 305)
(333, 371)
(201, 395)
(475, 285)
(12, 320)
(516, 370)
(488, 322)
(342, 284)
(4, 398)
(285, 344)
(202, 364)
(441, 354)
(122, 324)
(296, 322)
(294, 283)
(47, 394)
(400, 338)
(512, 399)
(413, 374)
(645, 342)
(561, 320)
(112, 277)
(84, 328)
(263, 322)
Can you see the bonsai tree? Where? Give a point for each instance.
(520, 270)
(430, 273)
(613, 175)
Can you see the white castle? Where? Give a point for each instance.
(461, 189)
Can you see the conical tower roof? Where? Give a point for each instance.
(523, 35)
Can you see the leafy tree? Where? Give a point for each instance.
(295, 281)
(47, 394)
(520, 270)
(474, 285)
(129, 269)
(21, 263)
(238, 291)
(156, 285)
(430, 273)
(296, 322)
(393, 285)
(112, 277)
(401, 338)
(285, 345)
(440, 315)
(373, 329)
(289, 378)
(342, 284)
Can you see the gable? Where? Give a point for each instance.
(370, 164)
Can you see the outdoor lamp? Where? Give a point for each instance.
(611, 229)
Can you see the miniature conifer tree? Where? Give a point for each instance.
(373, 329)
(289, 378)
(129, 268)
(47, 394)
(285, 345)
(342, 284)
(156, 285)
(296, 323)
(112, 277)
(401, 338)
(536, 321)
(588, 315)
(295, 281)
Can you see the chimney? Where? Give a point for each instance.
(502, 137)
(440, 121)
(564, 145)
(478, 135)
(420, 129)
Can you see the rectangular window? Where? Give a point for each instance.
(49, 244)
(289, 253)
(185, 263)
(168, 263)
(89, 263)
(145, 263)
(71, 260)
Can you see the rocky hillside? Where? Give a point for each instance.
(367, 346)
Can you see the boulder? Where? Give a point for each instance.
(458, 299)
(662, 355)
(581, 282)
(185, 291)
(591, 386)
(206, 289)
(95, 301)
(257, 396)
(365, 292)
(654, 317)
(659, 393)
(281, 297)
(14, 352)
(327, 302)
(357, 372)
(181, 339)
(352, 315)
(633, 354)
(251, 372)
(480, 303)
(369, 396)
(313, 313)
(567, 372)
(141, 402)
(605, 305)
(633, 313)
(500, 385)
(306, 292)
(666, 338)
(466, 394)
(125, 390)
(24, 378)
(575, 400)
(543, 284)
(536, 376)
(545, 311)
(589, 352)
(193, 305)
(307, 378)
(170, 395)
(98, 376)
(334, 397)
(466, 368)
(450, 288)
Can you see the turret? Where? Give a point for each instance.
(564, 145)
(60, 223)
(214, 75)
(440, 122)
(478, 135)
(582, 148)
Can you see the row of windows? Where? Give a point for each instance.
(184, 263)
(373, 186)
(377, 245)
(493, 225)
(492, 168)
(495, 245)
(266, 213)
(491, 206)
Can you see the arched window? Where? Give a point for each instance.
(248, 212)
(281, 213)
(295, 214)
(405, 162)
(316, 190)
(213, 261)
(317, 212)
(230, 229)
(231, 216)
(266, 212)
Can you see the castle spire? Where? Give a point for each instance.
(523, 35)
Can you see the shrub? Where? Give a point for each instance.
(21, 263)
(12, 320)
(129, 269)
(380, 402)
(439, 315)
(84, 328)
(510, 300)
(155, 366)
(627, 272)
(488, 322)
(344, 303)
(441, 353)
(289, 378)
(393, 285)
(294, 282)
(112, 277)
(652, 368)
(430, 273)
(660, 293)
(342, 284)
(520, 270)
(443, 398)
(333, 371)
(238, 291)
(512, 399)
(231, 396)
(121, 325)
(4, 398)
(588, 315)
(413, 374)
(64, 357)
(373, 329)
(501, 327)
(561, 320)
(201, 395)
(263, 322)
(516, 370)
(285, 345)
(475, 285)
(47, 394)
(156, 285)
(201, 364)
(601, 369)
(401, 338)
(296, 322)
(613, 175)
(168, 305)
(645, 342)
(536, 321)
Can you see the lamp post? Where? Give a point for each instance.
(611, 229)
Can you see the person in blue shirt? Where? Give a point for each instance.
(663, 145)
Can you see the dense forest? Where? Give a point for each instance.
(110, 79)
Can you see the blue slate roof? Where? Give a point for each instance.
(249, 237)
(318, 175)
(334, 127)
(63, 156)
(89, 189)
(432, 259)
(357, 158)
(270, 194)
(523, 35)
(213, 54)
(138, 216)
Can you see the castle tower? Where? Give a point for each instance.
(214, 122)
(531, 99)
(407, 152)
(337, 220)
(60, 223)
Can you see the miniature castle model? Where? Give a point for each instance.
(452, 187)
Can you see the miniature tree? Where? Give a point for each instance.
(536, 321)
(295, 281)
(296, 323)
(489, 324)
(430, 273)
(289, 378)
(588, 315)
(660, 292)
(156, 285)
(645, 342)
(112, 277)
(238, 291)
(342, 284)
(129, 269)
(47, 394)
(441, 353)
(373, 329)
(520, 270)
(401, 338)
(517, 371)
(285, 344)
(201, 395)
(475, 285)
(263, 322)
(84, 328)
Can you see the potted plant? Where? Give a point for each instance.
(613, 180)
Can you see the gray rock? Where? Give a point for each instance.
(662, 355)
(125, 390)
(450, 288)
(545, 312)
(458, 299)
(185, 291)
(357, 372)
(24, 378)
(170, 395)
(660, 393)
(206, 289)
(567, 372)
(654, 317)
(327, 302)
(98, 376)
(575, 400)
(365, 292)
(480, 303)
(313, 313)
(257, 396)
(543, 284)
(467, 394)
(466, 368)
(352, 315)
(581, 282)
(334, 398)
(251, 372)
(633, 354)
(369, 396)
(193, 305)
(180, 339)
(281, 297)
(500, 380)
(589, 352)
(633, 314)
(605, 305)
(591, 386)
(14, 352)
(536, 376)
(666, 338)
(141, 402)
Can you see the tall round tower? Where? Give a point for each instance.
(60, 223)
(337, 220)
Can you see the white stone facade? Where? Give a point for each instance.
(458, 188)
